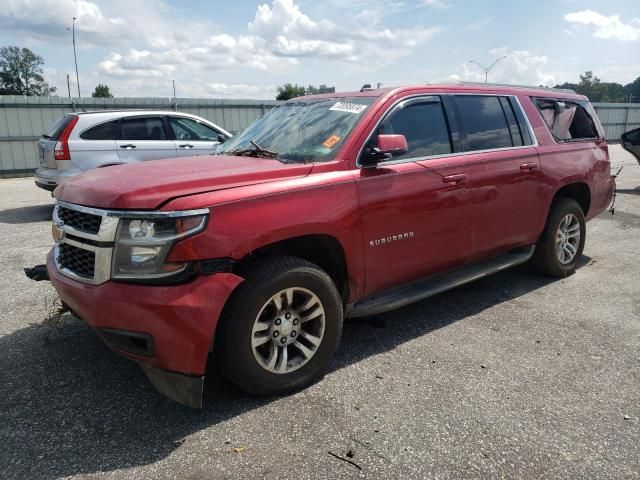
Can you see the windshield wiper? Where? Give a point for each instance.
(255, 151)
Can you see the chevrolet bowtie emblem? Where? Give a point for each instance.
(57, 232)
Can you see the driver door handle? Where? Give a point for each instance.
(186, 145)
(128, 146)
(454, 179)
(528, 166)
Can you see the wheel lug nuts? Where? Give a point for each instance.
(276, 333)
(293, 334)
(295, 321)
(278, 321)
(283, 340)
(287, 315)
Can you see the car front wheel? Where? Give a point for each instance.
(281, 327)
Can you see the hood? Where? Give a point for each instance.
(147, 185)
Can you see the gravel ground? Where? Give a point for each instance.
(512, 376)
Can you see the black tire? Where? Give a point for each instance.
(263, 279)
(545, 259)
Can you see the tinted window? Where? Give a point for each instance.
(104, 131)
(190, 129)
(514, 129)
(58, 126)
(522, 122)
(424, 126)
(484, 122)
(143, 128)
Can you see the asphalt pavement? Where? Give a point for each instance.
(515, 375)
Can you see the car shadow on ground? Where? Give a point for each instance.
(70, 406)
(30, 214)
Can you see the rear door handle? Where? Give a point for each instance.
(454, 179)
(186, 145)
(128, 146)
(528, 166)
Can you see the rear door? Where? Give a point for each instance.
(505, 173)
(144, 138)
(95, 146)
(192, 137)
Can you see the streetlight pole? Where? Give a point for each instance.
(75, 57)
(489, 68)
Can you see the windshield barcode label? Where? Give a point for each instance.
(348, 107)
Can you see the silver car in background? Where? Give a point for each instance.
(78, 142)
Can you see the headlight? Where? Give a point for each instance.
(142, 245)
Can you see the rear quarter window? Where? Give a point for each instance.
(56, 129)
(567, 120)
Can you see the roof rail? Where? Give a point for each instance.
(531, 87)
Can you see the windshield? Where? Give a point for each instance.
(301, 130)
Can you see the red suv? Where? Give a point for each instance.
(327, 207)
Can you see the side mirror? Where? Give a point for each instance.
(387, 146)
(222, 138)
(631, 142)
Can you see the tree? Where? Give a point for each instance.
(596, 90)
(632, 91)
(21, 73)
(288, 90)
(101, 91)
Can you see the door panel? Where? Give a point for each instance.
(505, 200)
(414, 223)
(144, 138)
(193, 137)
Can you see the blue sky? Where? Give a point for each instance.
(246, 48)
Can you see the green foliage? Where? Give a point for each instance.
(21, 73)
(598, 91)
(101, 91)
(288, 90)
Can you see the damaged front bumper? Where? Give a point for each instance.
(167, 329)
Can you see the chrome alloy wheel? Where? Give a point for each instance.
(568, 238)
(288, 331)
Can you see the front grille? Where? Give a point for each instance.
(85, 222)
(77, 260)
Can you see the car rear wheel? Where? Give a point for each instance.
(281, 327)
(562, 242)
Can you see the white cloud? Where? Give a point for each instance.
(606, 27)
(436, 3)
(519, 67)
(479, 25)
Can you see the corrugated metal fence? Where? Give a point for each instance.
(24, 119)
(617, 118)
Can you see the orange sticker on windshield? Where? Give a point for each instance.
(331, 141)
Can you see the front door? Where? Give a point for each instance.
(144, 138)
(414, 207)
(193, 137)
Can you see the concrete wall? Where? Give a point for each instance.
(24, 119)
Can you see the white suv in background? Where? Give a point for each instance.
(78, 142)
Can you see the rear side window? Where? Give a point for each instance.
(104, 131)
(58, 126)
(485, 123)
(424, 126)
(143, 128)
(566, 120)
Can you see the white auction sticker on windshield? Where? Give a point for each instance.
(348, 107)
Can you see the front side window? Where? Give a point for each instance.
(424, 126)
(143, 128)
(190, 129)
(301, 130)
(567, 120)
(104, 131)
(484, 122)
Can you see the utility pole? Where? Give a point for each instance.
(75, 57)
(487, 69)
(68, 86)
(175, 104)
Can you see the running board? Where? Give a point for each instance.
(416, 291)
